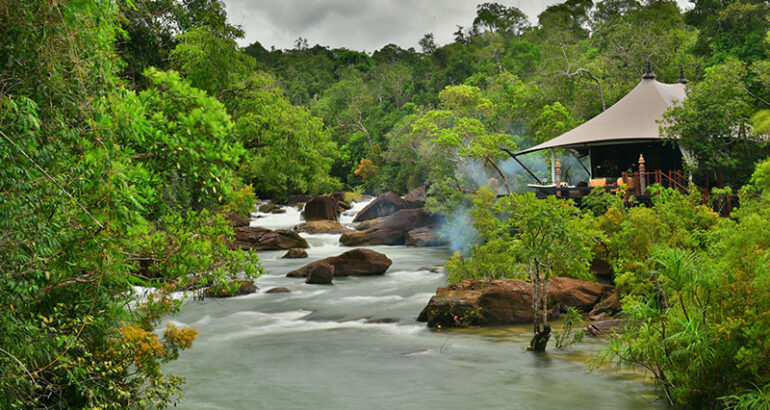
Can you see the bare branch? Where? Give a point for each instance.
(581, 71)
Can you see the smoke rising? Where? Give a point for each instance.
(457, 228)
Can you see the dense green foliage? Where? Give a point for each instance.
(102, 188)
(696, 297)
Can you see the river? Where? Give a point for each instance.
(357, 345)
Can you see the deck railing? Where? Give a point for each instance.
(638, 182)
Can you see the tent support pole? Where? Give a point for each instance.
(522, 165)
(574, 153)
(553, 166)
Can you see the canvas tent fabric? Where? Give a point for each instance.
(632, 119)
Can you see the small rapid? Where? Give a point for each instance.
(357, 345)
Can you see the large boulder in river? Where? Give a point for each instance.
(384, 205)
(322, 226)
(362, 226)
(423, 237)
(505, 301)
(391, 230)
(263, 239)
(320, 274)
(416, 198)
(321, 208)
(353, 262)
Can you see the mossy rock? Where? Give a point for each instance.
(230, 289)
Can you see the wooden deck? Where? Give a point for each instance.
(637, 184)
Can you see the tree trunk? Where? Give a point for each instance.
(535, 301)
(501, 173)
(544, 298)
(540, 340)
(539, 312)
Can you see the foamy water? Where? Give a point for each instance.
(356, 344)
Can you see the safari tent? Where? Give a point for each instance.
(623, 143)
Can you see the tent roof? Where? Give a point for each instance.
(633, 118)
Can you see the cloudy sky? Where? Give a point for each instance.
(364, 25)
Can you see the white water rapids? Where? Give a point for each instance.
(357, 345)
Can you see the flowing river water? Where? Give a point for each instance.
(357, 345)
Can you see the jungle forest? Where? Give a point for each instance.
(154, 171)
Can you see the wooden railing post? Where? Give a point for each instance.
(642, 179)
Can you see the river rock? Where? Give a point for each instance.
(321, 208)
(278, 290)
(339, 196)
(295, 200)
(236, 288)
(343, 206)
(576, 293)
(262, 239)
(608, 306)
(384, 205)
(362, 226)
(236, 220)
(391, 230)
(353, 262)
(604, 327)
(423, 237)
(320, 274)
(295, 253)
(322, 226)
(267, 208)
(416, 198)
(504, 301)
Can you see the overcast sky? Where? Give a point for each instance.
(364, 25)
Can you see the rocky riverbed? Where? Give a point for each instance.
(357, 344)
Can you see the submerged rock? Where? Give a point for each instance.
(384, 205)
(232, 288)
(262, 239)
(504, 301)
(423, 237)
(391, 230)
(354, 262)
(295, 253)
(278, 290)
(321, 208)
(323, 226)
